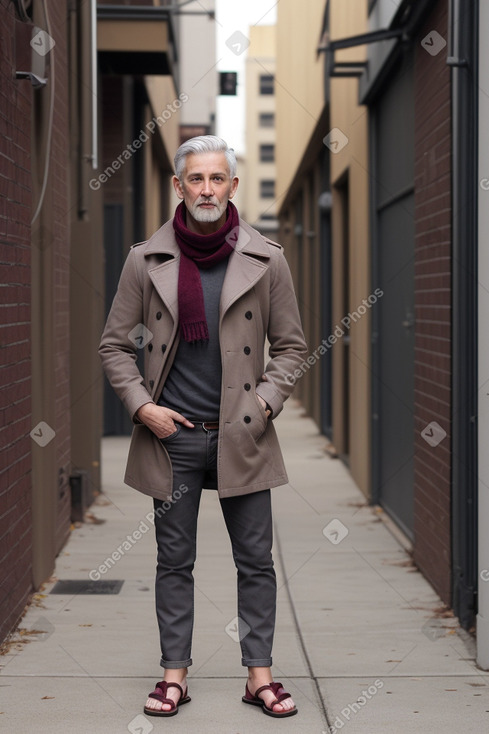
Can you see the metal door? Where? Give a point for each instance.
(393, 315)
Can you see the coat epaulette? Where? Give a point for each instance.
(271, 242)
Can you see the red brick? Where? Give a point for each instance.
(432, 465)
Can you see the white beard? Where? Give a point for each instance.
(208, 215)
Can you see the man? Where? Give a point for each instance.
(202, 295)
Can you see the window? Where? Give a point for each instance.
(267, 153)
(266, 84)
(267, 188)
(267, 119)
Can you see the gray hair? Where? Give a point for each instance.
(204, 144)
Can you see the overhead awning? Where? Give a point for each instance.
(135, 39)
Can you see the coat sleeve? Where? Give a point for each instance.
(288, 346)
(124, 333)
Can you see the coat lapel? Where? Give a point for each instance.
(165, 280)
(244, 269)
(165, 276)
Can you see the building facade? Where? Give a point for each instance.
(376, 151)
(260, 195)
(51, 419)
(322, 171)
(197, 30)
(90, 124)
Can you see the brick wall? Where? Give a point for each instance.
(15, 363)
(18, 200)
(433, 313)
(59, 215)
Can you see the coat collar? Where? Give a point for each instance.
(242, 272)
(163, 242)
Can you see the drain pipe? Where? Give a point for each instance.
(482, 177)
(462, 58)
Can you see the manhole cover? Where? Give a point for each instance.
(81, 586)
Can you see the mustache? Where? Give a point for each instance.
(208, 200)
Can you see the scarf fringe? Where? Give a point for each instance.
(196, 331)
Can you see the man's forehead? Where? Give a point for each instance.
(212, 162)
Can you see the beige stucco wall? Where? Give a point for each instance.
(300, 100)
(299, 83)
(164, 103)
(348, 18)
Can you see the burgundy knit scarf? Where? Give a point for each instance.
(204, 251)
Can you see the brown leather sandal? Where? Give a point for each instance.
(280, 695)
(160, 693)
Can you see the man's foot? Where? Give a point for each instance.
(172, 692)
(269, 696)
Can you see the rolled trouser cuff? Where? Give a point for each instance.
(175, 663)
(257, 662)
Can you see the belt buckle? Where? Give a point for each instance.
(206, 423)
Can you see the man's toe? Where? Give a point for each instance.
(284, 705)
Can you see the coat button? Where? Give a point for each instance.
(163, 348)
(158, 315)
(247, 419)
(151, 383)
(150, 347)
(247, 386)
(247, 350)
(248, 315)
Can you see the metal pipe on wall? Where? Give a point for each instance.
(462, 50)
(482, 175)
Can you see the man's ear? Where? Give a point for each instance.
(234, 187)
(178, 187)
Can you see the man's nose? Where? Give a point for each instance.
(207, 189)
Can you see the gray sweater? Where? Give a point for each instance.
(193, 385)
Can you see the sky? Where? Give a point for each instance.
(234, 18)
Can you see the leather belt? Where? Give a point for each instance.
(210, 425)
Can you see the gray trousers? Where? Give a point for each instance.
(248, 518)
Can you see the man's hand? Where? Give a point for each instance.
(161, 420)
(264, 406)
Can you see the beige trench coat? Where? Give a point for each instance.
(257, 301)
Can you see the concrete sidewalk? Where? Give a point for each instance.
(360, 643)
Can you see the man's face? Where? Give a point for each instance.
(206, 187)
